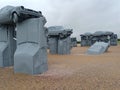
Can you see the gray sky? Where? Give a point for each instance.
(81, 15)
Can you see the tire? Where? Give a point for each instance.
(22, 7)
(61, 35)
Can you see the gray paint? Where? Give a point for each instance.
(59, 31)
(53, 45)
(88, 39)
(12, 15)
(59, 40)
(60, 46)
(64, 46)
(98, 48)
(7, 45)
(30, 59)
(113, 40)
(6, 15)
(73, 42)
(4, 59)
(31, 54)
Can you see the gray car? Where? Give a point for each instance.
(12, 15)
(59, 31)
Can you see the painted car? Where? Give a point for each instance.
(12, 15)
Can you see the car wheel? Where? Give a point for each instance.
(15, 17)
(61, 35)
(22, 7)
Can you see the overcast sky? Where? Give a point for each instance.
(80, 15)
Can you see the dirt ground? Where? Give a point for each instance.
(70, 72)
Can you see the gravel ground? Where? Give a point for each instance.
(70, 72)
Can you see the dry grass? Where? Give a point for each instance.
(70, 72)
(118, 42)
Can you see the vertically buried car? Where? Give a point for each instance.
(73, 42)
(12, 15)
